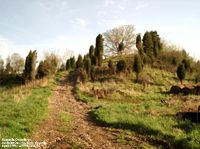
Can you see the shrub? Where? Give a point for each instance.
(181, 72)
(62, 67)
(48, 66)
(121, 65)
(51, 61)
(42, 70)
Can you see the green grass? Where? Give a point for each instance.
(148, 113)
(23, 107)
(82, 96)
(162, 128)
(19, 118)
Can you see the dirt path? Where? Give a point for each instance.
(83, 131)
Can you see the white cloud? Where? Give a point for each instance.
(141, 5)
(80, 22)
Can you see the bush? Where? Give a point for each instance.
(48, 66)
(42, 70)
(14, 79)
(181, 72)
(62, 67)
(121, 66)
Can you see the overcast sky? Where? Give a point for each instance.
(74, 24)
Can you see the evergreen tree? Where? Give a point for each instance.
(156, 42)
(137, 66)
(181, 72)
(186, 63)
(42, 70)
(73, 62)
(99, 49)
(94, 60)
(87, 66)
(83, 76)
(27, 69)
(155, 48)
(68, 64)
(30, 64)
(92, 73)
(79, 62)
(91, 51)
(148, 44)
(139, 44)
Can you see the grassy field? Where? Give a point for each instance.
(22, 107)
(148, 113)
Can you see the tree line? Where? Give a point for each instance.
(118, 41)
(20, 71)
(150, 51)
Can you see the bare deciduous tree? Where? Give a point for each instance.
(17, 63)
(52, 61)
(115, 37)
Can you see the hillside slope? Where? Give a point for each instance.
(145, 110)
